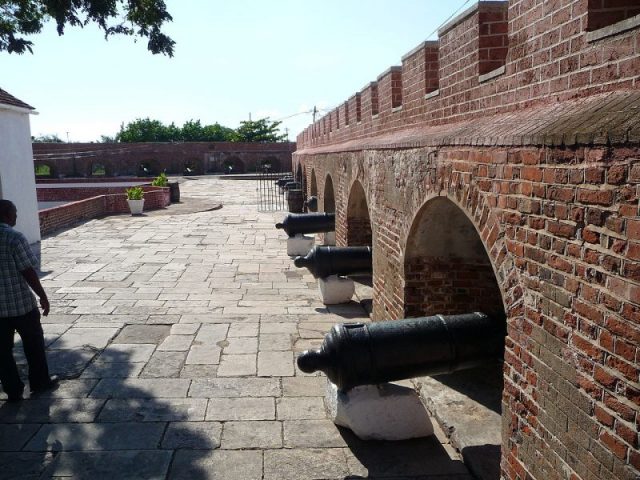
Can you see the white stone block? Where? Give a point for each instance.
(379, 412)
(299, 245)
(335, 290)
(330, 238)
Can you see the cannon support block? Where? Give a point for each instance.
(379, 412)
(299, 245)
(335, 289)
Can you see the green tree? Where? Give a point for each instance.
(147, 130)
(47, 139)
(140, 18)
(262, 130)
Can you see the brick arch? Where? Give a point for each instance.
(236, 164)
(273, 161)
(491, 239)
(40, 164)
(328, 195)
(359, 232)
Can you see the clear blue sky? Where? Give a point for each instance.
(232, 59)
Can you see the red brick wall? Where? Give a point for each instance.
(606, 12)
(86, 208)
(65, 216)
(549, 59)
(544, 161)
(559, 225)
(76, 159)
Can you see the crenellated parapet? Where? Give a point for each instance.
(495, 57)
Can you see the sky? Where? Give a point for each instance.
(233, 60)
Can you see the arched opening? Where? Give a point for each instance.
(233, 165)
(270, 164)
(43, 170)
(328, 198)
(447, 271)
(98, 170)
(145, 169)
(189, 167)
(358, 221)
(313, 186)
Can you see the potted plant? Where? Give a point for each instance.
(174, 189)
(135, 199)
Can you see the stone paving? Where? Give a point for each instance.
(175, 335)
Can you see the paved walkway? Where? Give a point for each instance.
(176, 335)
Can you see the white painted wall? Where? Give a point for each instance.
(17, 178)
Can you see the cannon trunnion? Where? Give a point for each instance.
(355, 354)
(324, 261)
(301, 223)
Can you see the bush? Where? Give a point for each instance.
(135, 193)
(160, 181)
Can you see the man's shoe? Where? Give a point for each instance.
(50, 386)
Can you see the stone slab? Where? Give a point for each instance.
(165, 410)
(234, 387)
(296, 464)
(96, 436)
(301, 408)
(225, 409)
(216, 465)
(130, 464)
(143, 334)
(252, 435)
(192, 435)
(141, 388)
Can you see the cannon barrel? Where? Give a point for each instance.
(323, 261)
(292, 185)
(312, 204)
(294, 224)
(284, 180)
(355, 354)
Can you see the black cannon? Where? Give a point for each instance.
(291, 185)
(324, 261)
(294, 224)
(355, 354)
(281, 182)
(312, 204)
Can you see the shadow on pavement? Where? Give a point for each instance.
(407, 459)
(103, 427)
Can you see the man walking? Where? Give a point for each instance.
(19, 310)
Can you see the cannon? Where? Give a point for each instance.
(291, 185)
(355, 354)
(294, 224)
(323, 261)
(312, 204)
(281, 182)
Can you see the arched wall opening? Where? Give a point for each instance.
(270, 164)
(313, 185)
(44, 170)
(447, 269)
(328, 197)
(358, 221)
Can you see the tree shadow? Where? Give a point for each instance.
(100, 423)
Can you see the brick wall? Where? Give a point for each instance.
(550, 58)
(549, 181)
(84, 207)
(118, 159)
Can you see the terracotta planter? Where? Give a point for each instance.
(136, 206)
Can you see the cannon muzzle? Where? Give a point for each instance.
(355, 354)
(294, 224)
(324, 261)
(284, 180)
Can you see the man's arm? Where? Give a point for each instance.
(32, 279)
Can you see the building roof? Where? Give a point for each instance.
(7, 99)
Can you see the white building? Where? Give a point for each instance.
(17, 177)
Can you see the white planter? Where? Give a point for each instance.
(136, 206)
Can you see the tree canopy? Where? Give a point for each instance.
(140, 18)
(148, 130)
(263, 130)
(53, 138)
